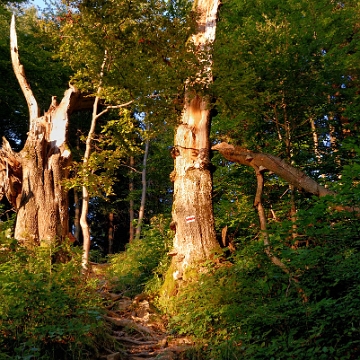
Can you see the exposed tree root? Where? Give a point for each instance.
(135, 326)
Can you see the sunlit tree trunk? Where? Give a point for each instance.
(315, 140)
(85, 192)
(144, 187)
(32, 179)
(193, 220)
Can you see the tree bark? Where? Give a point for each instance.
(131, 202)
(85, 200)
(263, 223)
(32, 179)
(85, 193)
(77, 227)
(111, 231)
(193, 220)
(143, 192)
(272, 163)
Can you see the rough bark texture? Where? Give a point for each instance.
(32, 179)
(272, 163)
(193, 221)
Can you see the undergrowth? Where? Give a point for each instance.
(142, 266)
(249, 308)
(245, 307)
(48, 310)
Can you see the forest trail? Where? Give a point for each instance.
(137, 326)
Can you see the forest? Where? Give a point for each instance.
(180, 179)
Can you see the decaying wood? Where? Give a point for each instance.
(10, 174)
(32, 179)
(20, 74)
(272, 163)
(267, 162)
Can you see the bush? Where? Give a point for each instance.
(48, 311)
(248, 308)
(143, 264)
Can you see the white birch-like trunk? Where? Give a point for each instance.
(143, 192)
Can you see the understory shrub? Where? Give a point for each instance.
(47, 311)
(144, 262)
(249, 308)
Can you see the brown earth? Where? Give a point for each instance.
(137, 327)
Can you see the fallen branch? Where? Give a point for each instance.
(267, 162)
(272, 163)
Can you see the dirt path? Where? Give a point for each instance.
(138, 328)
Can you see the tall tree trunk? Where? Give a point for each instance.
(315, 140)
(131, 203)
(143, 182)
(111, 231)
(32, 179)
(85, 199)
(193, 220)
(85, 193)
(77, 227)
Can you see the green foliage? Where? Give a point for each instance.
(279, 65)
(250, 308)
(144, 263)
(112, 147)
(234, 187)
(48, 311)
(145, 45)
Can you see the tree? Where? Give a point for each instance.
(32, 179)
(37, 50)
(155, 31)
(286, 62)
(144, 184)
(90, 137)
(290, 69)
(193, 220)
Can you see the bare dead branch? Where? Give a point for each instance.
(272, 163)
(20, 74)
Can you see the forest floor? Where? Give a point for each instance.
(137, 327)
